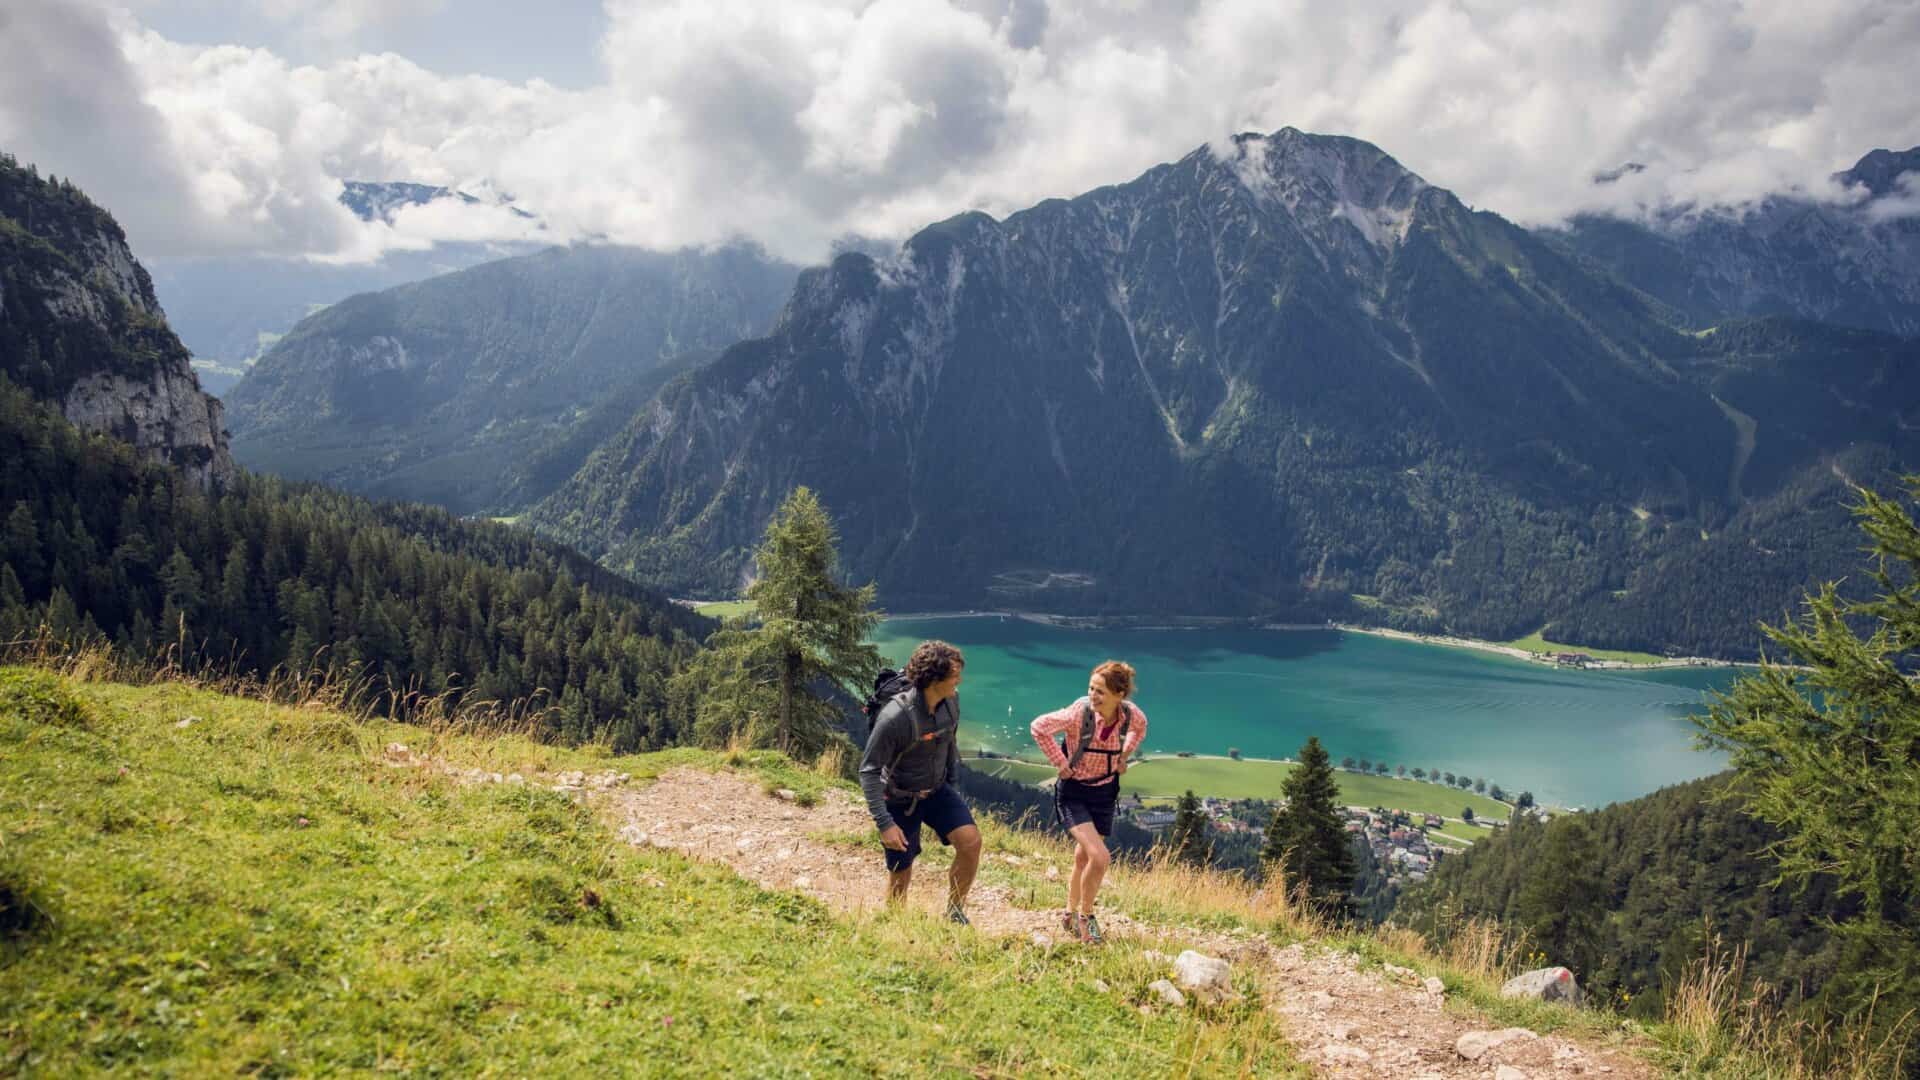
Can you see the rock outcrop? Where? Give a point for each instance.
(81, 329)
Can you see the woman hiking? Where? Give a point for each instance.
(1101, 731)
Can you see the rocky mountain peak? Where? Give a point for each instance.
(1327, 176)
(1880, 170)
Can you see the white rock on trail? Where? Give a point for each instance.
(786, 794)
(1475, 1045)
(1042, 940)
(1053, 873)
(632, 834)
(1204, 974)
(1545, 984)
(1168, 992)
(1435, 986)
(1508, 1072)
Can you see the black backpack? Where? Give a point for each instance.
(885, 685)
(888, 685)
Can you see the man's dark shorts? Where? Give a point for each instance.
(943, 811)
(1075, 803)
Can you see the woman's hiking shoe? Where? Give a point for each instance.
(1070, 922)
(957, 914)
(1090, 930)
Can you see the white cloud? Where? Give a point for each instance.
(799, 122)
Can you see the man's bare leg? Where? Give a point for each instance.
(966, 862)
(897, 882)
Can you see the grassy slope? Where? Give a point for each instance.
(215, 885)
(1534, 643)
(1228, 779)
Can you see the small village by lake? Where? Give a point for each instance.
(1572, 737)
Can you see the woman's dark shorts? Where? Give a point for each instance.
(944, 811)
(1075, 803)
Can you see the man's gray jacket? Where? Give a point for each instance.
(930, 743)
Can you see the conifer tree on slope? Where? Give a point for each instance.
(1188, 837)
(1827, 748)
(1306, 837)
(807, 631)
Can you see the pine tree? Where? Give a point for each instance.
(770, 677)
(1188, 837)
(1561, 900)
(23, 546)
(1827, 748)
(1306, 838)
(814, 626)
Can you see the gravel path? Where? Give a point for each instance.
(1343, 1021)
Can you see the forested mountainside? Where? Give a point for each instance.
(1292, 380)
(164, 545)
(79, 327)
(1630, 895)
(270, 574)
(485, 389)
(1855, 264)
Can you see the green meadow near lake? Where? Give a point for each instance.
(1572, 737)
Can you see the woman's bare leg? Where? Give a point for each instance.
(1087, 877)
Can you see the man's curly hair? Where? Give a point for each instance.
(932, 662)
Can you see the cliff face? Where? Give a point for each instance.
(166, 415)
(80, 328)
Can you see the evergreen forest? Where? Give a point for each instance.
(100, 545)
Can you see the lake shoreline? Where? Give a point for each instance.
(1210, 622)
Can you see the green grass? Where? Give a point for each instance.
(219, 886)
(1538, 645)
(1227, 779)
(724, 609)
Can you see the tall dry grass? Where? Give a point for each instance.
(1744, 1027)
(1165, 881)
(342, 688)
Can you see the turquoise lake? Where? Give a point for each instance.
(1573, 738)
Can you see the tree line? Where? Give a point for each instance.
(101, 545)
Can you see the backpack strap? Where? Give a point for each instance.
(1088, 723)
(920, 738)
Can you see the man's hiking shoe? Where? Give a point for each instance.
(957, 914)
(1090, 930)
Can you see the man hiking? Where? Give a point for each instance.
(909, 771)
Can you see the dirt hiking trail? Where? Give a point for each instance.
(1342, 1021)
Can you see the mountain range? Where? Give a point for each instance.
(229, 309)
(1289, 379)
(485, 389)
(1855, 264)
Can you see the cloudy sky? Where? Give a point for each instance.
(227, 126)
